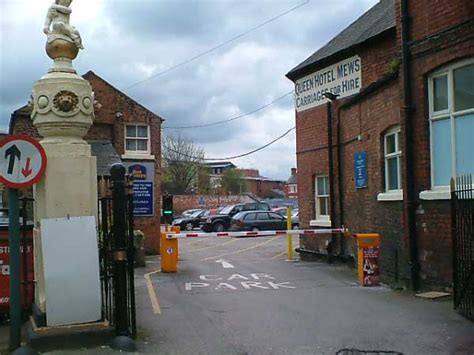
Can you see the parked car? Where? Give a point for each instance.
(258, 221)
(188, 213)
(189, 221)
(280, 210)
(295, 219)
(221, 221)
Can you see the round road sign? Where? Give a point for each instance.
(22, 161)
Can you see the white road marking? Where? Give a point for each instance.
(188, 286)
(212, 280)
(225, 264)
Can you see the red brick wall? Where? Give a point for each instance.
(453, 42)
(432, 16)
(24, 125)
(262, 188)
(187, 202)
(249, 172)
(311, 125)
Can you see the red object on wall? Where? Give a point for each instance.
(26, 299)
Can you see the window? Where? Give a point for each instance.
(137, 139)
(322, 198)
(392, 155)
(451, 96)
(250, 216)
(262, 216)
(275, 216)
(292, 188)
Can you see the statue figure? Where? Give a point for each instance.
(57, 24)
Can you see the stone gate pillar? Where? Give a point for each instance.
(63, 112)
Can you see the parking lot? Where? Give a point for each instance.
(241, 296)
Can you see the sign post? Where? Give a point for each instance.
(15, 280)
(22, 163)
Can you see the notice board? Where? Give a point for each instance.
(71, 270)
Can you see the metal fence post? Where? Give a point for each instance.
(119, 231)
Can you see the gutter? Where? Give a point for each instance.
(408, 181)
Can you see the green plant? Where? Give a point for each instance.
(138, 238)
(394, 65)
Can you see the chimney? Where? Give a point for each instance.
(293, 171)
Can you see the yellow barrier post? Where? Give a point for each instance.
(290, 238)
(169, 252)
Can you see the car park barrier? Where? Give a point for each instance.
(170, 235)
(169, 241)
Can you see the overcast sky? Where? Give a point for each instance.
(128, 41)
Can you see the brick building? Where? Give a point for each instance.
(377, 156)
(261, 186)
(123, 130)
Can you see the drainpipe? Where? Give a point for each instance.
(340, 180)
(331, 163)
(408, 183)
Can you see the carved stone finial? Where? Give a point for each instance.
(64, 40)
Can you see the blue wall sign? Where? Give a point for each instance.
(360, 167)
(142, 198)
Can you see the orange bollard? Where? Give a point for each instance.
(169, 253)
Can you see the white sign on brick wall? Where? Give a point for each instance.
(343, 79)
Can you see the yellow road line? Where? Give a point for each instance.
(213, 246)
(284, 252)
(151, 292)
(242, 250)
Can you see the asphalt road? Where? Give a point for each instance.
(241, 296)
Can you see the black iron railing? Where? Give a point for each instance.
(462, 209)
(116, 253)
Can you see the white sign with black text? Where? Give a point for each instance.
(343, 79)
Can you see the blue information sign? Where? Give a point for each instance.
(360, 167)
(142, 198)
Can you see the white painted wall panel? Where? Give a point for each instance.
(71, 270)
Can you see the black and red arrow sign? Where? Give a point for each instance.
(22, 161)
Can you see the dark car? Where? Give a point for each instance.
(189, 221)
(221, 221)
(258, 221)
(204, 216)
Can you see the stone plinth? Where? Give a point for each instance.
(63, 112)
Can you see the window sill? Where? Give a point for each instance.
(440, 193)
(130, 156)
(396, 195)
(320, 223)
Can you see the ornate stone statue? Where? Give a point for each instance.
(58, 30)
